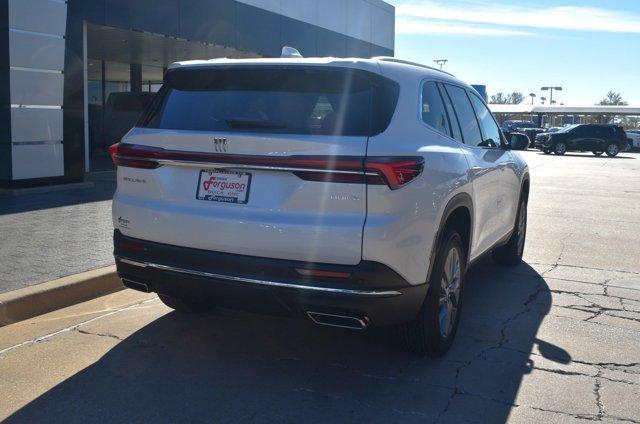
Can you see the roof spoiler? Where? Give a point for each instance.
(408, 62)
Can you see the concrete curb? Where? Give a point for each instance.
(21, 304)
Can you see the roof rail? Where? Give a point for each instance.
(408, 62)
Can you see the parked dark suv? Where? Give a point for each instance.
(596, 138)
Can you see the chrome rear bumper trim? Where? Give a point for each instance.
(363, 293)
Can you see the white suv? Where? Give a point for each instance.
(355, 192)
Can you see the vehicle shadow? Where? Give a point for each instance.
(103, 189)
(239, 367)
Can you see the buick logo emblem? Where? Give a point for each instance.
(220, 144)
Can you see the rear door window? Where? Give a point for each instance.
(466, 115)
(433, 109)
(579, 131)
(302, 100)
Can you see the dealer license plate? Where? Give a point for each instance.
(223, 186)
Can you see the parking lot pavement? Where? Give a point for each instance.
(556, 339)
(45, 236)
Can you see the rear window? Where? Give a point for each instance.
(433, 111)
(602, 131)
(618, 132)
(300, 100)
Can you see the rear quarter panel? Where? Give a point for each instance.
(401, 225)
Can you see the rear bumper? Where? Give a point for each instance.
(372, 290)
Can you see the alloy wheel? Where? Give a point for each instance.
(522, 227)
(448, 303)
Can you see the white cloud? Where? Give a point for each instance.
(414, 15)
(419, 27)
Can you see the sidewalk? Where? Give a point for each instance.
(51, 235)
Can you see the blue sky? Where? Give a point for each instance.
(586, 46)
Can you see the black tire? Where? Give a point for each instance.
(597, 153)
(612, 150)
(546, 151)
(560, 148)
(184, 305)
(511, 253)
(423, 335)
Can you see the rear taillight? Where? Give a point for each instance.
(133, 156)
(392, 171)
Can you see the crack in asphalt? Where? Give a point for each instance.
(480, 355)
(559, 258)
(584, 267)
(113, 336)
(576, 373)
(596, 391)
(74, 327)
(596, 310)
(598, 377)
(587, 417)
(590, 283)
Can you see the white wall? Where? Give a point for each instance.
(36, 60)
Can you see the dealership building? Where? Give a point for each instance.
(75, 74)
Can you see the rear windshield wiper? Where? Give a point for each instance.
(254, 124)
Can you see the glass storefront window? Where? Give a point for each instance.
(105, 125)
(152, 78)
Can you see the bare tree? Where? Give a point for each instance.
(613, 99)
(507, 99)
(499, 99)
(630, 122)
(516, 98)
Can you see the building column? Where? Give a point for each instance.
(33, 74)
(5, 95)
(135, 72)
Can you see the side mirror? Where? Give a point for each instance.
(519, 141)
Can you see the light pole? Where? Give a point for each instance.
(551, 89)
(533, 95)
(440, 62)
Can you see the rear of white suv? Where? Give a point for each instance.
(292, 186)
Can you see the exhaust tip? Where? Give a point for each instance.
(341, 321)
(136, 285)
